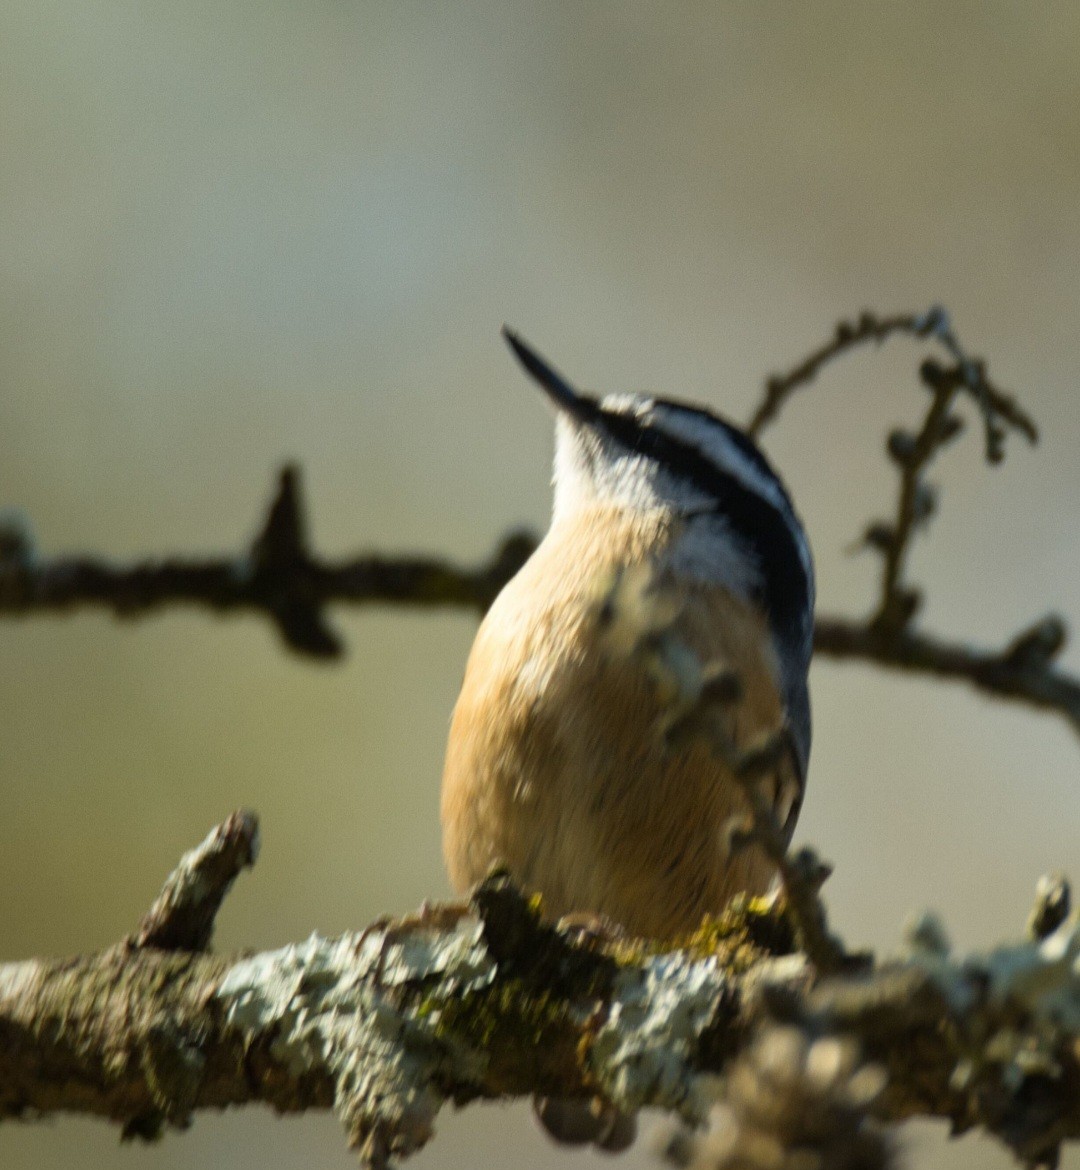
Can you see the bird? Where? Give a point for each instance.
(587, 755)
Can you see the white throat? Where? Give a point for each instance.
(591, 472)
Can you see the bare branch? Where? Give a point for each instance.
(282, 578)
(1024, 672)
(278, 576)
(488, 1000)
(1028, 678)
(999, 409)
(912, 454)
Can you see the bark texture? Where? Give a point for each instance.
(487, 1000)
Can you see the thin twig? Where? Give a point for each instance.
(897, 603)
(848, 336)
(802, 873)
(1024, 670)
(997, 406)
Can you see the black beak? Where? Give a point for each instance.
(558, 389)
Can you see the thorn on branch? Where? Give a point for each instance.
(878, 536)
(16, 538)
(282, 573)
(182, 916)
(1036, 647)
(283, 539)
(901, 447)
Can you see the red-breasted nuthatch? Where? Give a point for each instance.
(557, 766)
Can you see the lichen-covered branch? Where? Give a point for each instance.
(486, 999)
(182, 916)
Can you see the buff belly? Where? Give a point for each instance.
(558, 768)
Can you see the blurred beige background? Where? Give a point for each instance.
(235, 234)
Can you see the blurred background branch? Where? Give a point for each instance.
(281, 577)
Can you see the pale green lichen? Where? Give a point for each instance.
(642, 1053)
(1042, 976)
(1019, 1012)
(334, 1003)
(17, 980)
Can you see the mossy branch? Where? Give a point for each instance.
(486, 999)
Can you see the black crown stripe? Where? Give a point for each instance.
(767, 531)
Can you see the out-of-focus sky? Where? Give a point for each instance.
(236, 234)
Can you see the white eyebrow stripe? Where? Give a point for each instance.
(708, 435)
(714, 442)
